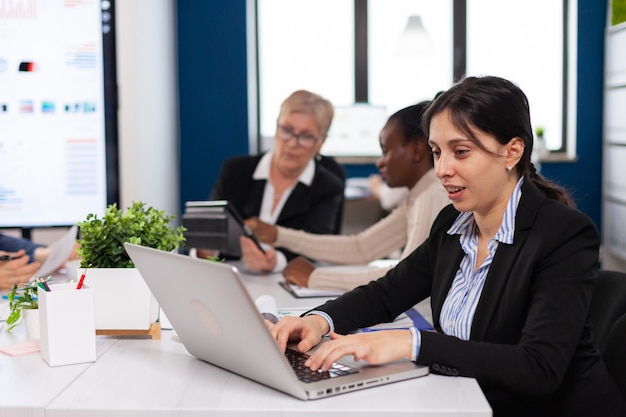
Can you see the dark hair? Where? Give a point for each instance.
(497, 107)
(410, 121)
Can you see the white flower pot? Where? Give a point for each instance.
(31, 322)
(122, 300)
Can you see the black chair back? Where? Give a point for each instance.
(336, 168)
(608, 316)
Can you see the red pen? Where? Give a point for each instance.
(80, 281)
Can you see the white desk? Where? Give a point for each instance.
(28, 384)
(141, 377)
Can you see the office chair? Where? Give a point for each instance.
(608, 315)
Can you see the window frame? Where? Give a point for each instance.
(567, 150)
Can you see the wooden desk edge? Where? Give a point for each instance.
(154, 332)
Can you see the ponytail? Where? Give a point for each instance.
(550, 189)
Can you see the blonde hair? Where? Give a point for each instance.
(303, 101)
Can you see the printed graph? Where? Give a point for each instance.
(18, 9)
(82, 57)
(77, 3)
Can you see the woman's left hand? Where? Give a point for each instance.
(298, 271)
(372, 347)
(265, 232)
(254, 259)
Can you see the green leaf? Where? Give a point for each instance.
(102, 240)
(21, 298)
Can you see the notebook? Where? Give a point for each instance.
(217, 321)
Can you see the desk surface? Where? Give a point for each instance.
(142, 377)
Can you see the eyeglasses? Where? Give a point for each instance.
(286, 133)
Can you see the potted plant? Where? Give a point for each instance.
(122, 299)
(24, 306)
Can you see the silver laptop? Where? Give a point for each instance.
(217, 321)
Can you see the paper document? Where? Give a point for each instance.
(267, 304)
(303, 292)
(384, 263)
(359, 269)
(21, 348)
(292, 311)
(59, 253)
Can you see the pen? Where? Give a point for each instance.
(378, 329)
(80, 281)
(9, 257)
(248, 233)
(43, 284)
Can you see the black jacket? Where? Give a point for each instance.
(314, 208)
(530, 346)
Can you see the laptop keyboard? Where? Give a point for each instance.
(297, 359)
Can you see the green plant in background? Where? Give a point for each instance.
(618, 12)
(19, 299)
(102, 240)
(217, 259)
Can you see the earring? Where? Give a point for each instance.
(509, 169)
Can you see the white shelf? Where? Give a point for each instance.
(614, 139)
(615, 63)
(614, 184)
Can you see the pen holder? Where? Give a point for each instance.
(67, 325)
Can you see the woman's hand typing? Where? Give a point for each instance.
(374, 348)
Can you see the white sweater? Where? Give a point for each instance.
(407, 226)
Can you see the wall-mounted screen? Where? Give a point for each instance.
(58, 140)
(355, 131)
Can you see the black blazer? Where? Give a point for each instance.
(530, 346)
(314, 208)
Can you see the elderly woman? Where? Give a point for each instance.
(287, 186)
(407, 162)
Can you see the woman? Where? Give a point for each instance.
(20, 259)
(388, 197)
(287, 186)
(509, 266)
(406, 161)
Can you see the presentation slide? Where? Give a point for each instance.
(52, 120)
(355, 131)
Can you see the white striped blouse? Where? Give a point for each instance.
(458, 309)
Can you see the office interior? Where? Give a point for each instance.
(187, 101)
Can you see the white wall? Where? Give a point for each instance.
(148, 103)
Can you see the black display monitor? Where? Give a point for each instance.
(58, 111)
